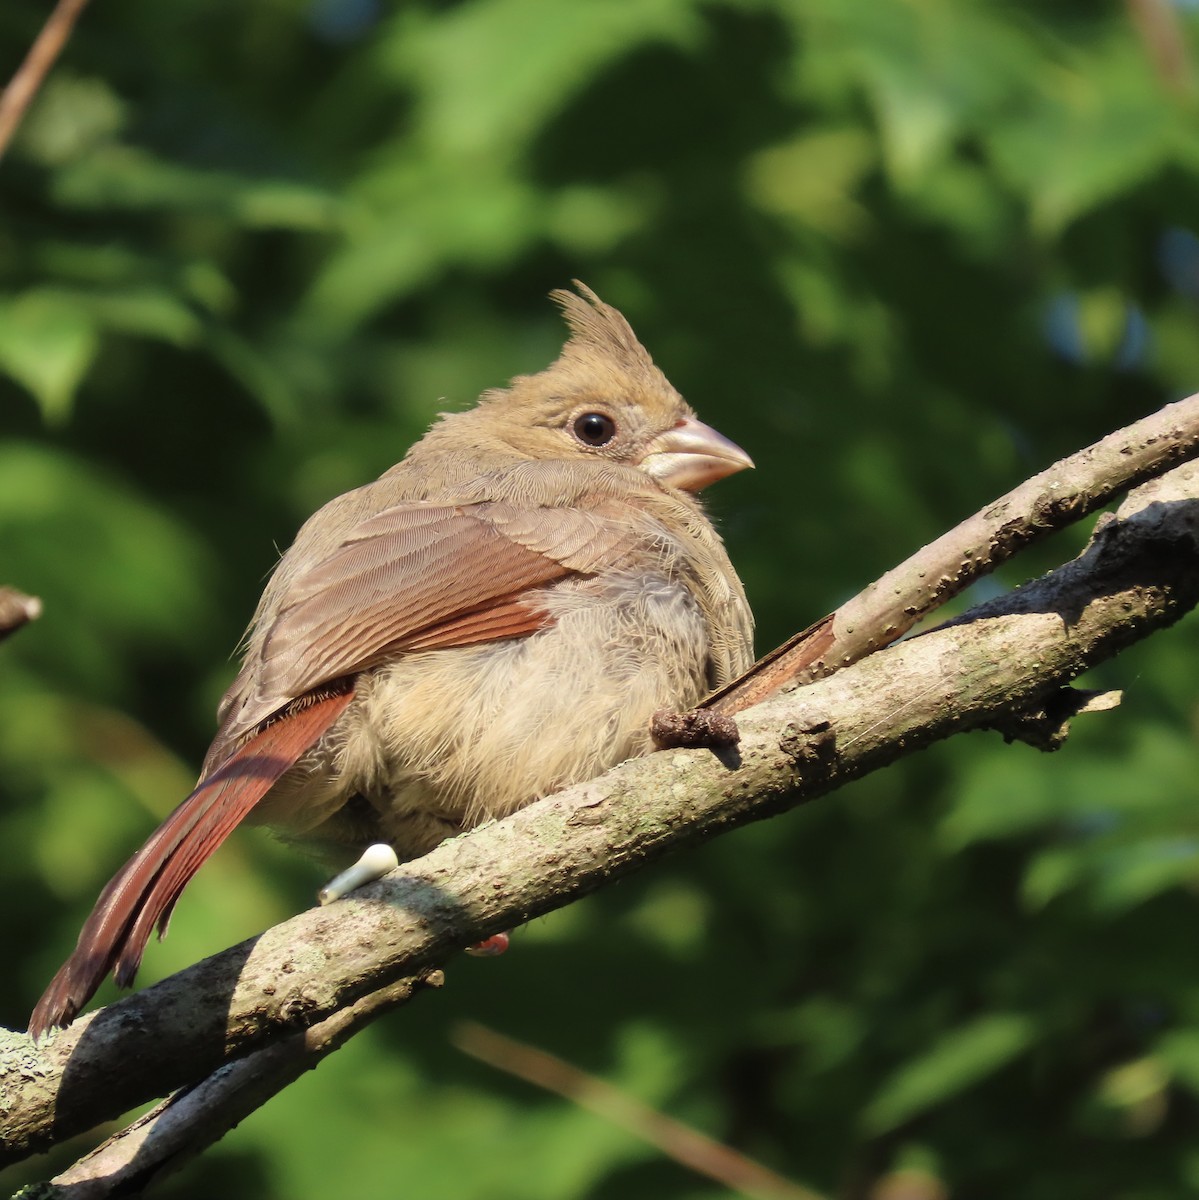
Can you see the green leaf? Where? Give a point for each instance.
(47, 343)
(1179, 1051)
(129, 177)
(471, 101)
(959, 1059)
(70, 116)
(1090, 129)
(116, 575)
(812, 178)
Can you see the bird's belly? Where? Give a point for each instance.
(442, 740)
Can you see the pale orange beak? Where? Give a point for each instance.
(692, 455)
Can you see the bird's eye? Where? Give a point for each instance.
(594, 428)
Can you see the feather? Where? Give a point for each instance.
(144, 891)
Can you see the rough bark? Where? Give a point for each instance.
(1140, 573)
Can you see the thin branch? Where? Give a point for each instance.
(1159, 27)
(16, 609)
(685, 1145)
(1044, 504)
(175, 1131)
(47, 46)
(1139, 575)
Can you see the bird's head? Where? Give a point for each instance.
(604, 399)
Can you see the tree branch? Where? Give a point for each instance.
(1159, 26)
(882, 613)
(47, 46)
(1140, 573)
(685, 1145)
(175, 1131)
(16, 609)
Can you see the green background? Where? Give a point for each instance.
(905, 252)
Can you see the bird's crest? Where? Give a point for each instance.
(597, 330)
(602, 356)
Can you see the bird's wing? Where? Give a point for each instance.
(417, 576)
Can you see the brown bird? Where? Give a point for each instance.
(496, 617)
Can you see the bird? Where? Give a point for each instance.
(494, 618)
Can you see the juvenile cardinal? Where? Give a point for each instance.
(496, 617)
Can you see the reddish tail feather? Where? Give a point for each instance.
(142, 894)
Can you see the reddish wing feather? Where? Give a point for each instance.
(509, 618)
(144, 891)
(407, 571)
(384, 586)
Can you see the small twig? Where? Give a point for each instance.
(699, 729)
(680, 1142)
(16, 609)
(1160, 30)
(175, 1131)
(882, 613)
(47, 46)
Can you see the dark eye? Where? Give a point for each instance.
(594, 428)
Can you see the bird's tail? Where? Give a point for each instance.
(142, 894)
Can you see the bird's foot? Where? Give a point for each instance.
(490, 947)
(375, 862)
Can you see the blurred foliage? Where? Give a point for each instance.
(906, 252)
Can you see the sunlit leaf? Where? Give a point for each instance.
(127, 177)
(47, 343)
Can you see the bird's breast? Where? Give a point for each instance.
(472, 733)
